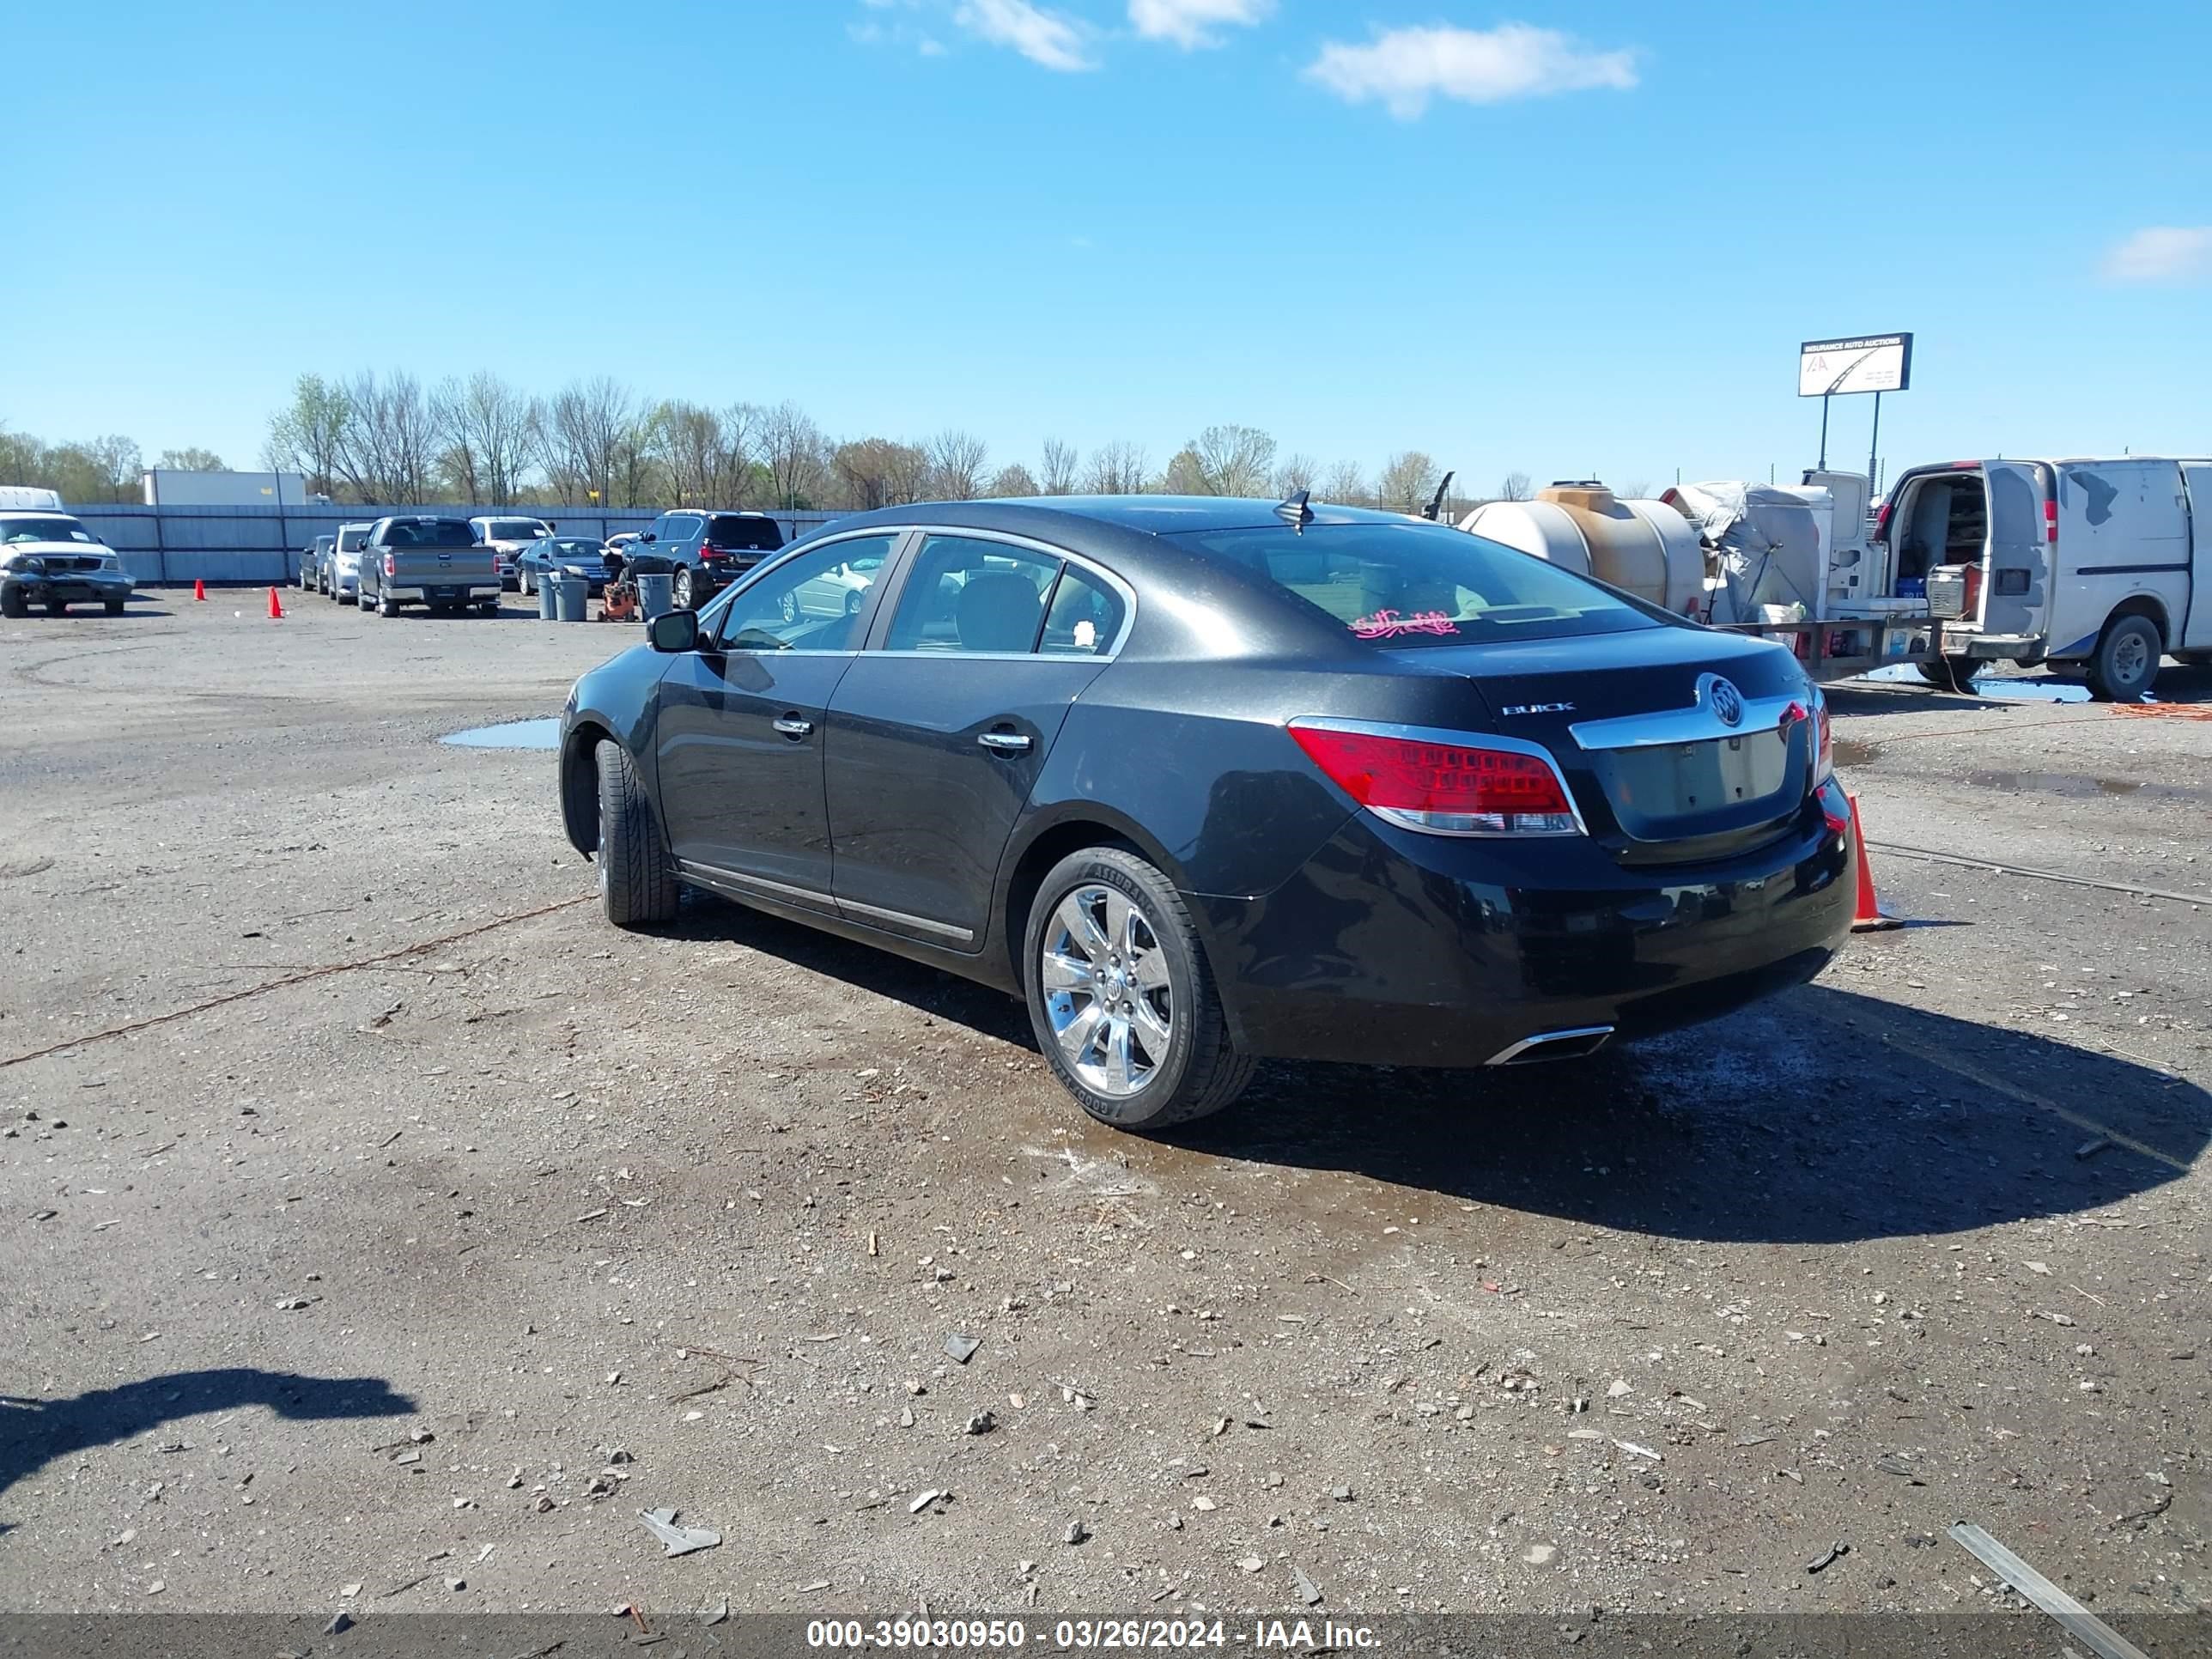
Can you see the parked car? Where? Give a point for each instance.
(839, 591)
(423, 559)
(1203, 780)
(622, 538)
(312, 557)
(706, 550)
(507, 537)
(341, 572)
(581, 556)
(2091, 563)
(49, 559)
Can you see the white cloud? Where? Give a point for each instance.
(1190, 23)
(1043, 37)
(1405, 68)
(2162, 254)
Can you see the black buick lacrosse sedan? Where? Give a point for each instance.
(1204, 781)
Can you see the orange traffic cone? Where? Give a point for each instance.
(199, 590)
(1871, 917)
(275, 607)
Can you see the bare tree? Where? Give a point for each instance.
(879, 472)
(693, 450)
(1011, 481)
(1234, 460)
(1408, 479)
(485, 424)
(388, 441)
(1638, 490)
(1514, 488)
(1297, 472)
(1120, 468)
(1056, 467)
(592, 441)
(956, 466)
(1346, 483)
(306, 434)
(795, 453)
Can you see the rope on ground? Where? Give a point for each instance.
(301, 978)
(2039, 875)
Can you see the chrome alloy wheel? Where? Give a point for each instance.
(1107, 991)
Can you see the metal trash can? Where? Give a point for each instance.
(570, 594)
(546, 610)
(656, 594)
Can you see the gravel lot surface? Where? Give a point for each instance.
(336, 1288)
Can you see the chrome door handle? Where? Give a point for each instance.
(791, 726)
(1005, 743)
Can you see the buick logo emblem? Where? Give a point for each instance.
(1728, 703)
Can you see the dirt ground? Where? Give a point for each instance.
(437, 1269)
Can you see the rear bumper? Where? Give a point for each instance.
(1393, 947)
(442, 592)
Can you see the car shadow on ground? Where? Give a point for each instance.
(36, 1432)
(1821, 1117)
(1818, 1117)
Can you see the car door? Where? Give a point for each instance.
(937, 735)
(739, 739)
(2194, 630)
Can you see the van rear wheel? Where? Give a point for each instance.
(2126, 665)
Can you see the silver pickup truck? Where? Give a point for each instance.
(424, 559)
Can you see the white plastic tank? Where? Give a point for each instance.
(1645, 547)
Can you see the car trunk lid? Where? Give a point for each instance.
(1679, 744)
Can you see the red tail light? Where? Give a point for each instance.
(1882, 522)
(1824, 726)
(2050, 521)
(391, 565)
(1442, 782)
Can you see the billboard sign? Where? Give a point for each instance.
(1871, 362)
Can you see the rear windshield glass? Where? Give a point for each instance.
(43, 530)
(729, 531)
(431, 532)
(1403, 585)
(567, 546)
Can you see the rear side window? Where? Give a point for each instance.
(1085, 617)
(1403, 585)
(729, 529)
(967, 596)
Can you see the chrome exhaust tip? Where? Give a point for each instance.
(1570, 1044)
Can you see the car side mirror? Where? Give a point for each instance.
(674, 631)
(647, 537)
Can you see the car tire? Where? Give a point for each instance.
(1194, 1070)
(114, 607)
(2126, 665)
(522, 582)
(852, 605)
(12, 603)
(1951, 673)
(637, 877)
(679, 588)
(387, 607)
(58, 607)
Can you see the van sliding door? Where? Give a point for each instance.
(2016, 587)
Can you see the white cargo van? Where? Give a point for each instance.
(2104, 563)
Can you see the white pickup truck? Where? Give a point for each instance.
(2094, 562)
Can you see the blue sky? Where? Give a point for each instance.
(1580, 239)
